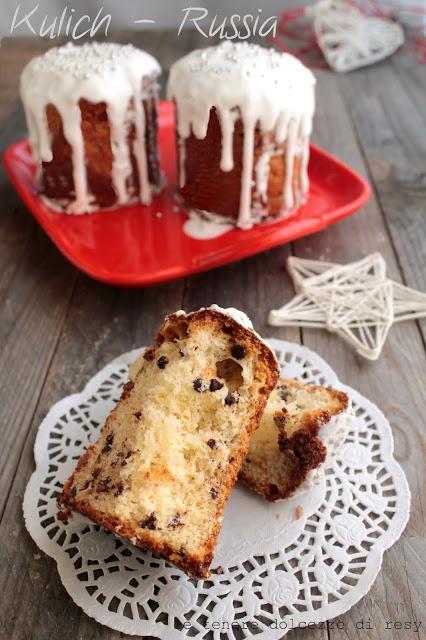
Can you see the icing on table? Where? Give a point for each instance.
(96, 72)
(264, 88)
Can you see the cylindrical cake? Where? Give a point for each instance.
(92, 117)
(244, 117)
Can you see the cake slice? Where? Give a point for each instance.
(289, 444)
(171, 449)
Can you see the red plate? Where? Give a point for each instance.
(133, 246)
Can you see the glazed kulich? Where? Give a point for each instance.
(288, 444)
(171, 449)
(244, 117)
(91, 112)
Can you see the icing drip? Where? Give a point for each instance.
(289, 162)
(96, 72)
(263, 87)
(262, 174)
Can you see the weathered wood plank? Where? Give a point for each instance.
(412, 75)
(391, 130)
(35, 287)
(394, 382)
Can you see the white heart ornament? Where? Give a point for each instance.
(348, 39)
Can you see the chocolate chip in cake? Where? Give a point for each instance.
(64, 516)
(215, 385)
(228, 330)
(127, 389)
(283, 442)
(137, 414)
(213, 492)
(212, 443)
(230, 399)
(162, 362)
(176, 521)
(273, 489)
(149, 354)
(85, 485)
(73, 492)
(181, 353)
(108, 442)
(149, 523)
(118, 490)
(199, 385)
(103, 486)
(280, 419)
(284, 392)
(237, 351)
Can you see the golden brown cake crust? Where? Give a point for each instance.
(196, 564)
(299, 452)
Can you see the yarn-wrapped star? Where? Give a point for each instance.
(357, 301)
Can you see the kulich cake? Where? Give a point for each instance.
(244, 117)
(92, 117)
(171, 449)
(299, 424)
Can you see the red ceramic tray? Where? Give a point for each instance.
(133, 246)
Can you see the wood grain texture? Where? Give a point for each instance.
(390, 125)
(57, 328)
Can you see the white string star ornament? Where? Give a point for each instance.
(357, 301)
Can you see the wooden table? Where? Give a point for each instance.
(58, 327)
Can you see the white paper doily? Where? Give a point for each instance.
(275, 570)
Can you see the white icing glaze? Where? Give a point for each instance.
(237, 315)
(200, 227)
(262, 174)
(96, 72)
(265, 88)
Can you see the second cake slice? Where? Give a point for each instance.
(290, 442)
(170, 451)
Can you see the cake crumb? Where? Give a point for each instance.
(219, 570)
(36, 556)
(64, 516)
(299, 511)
